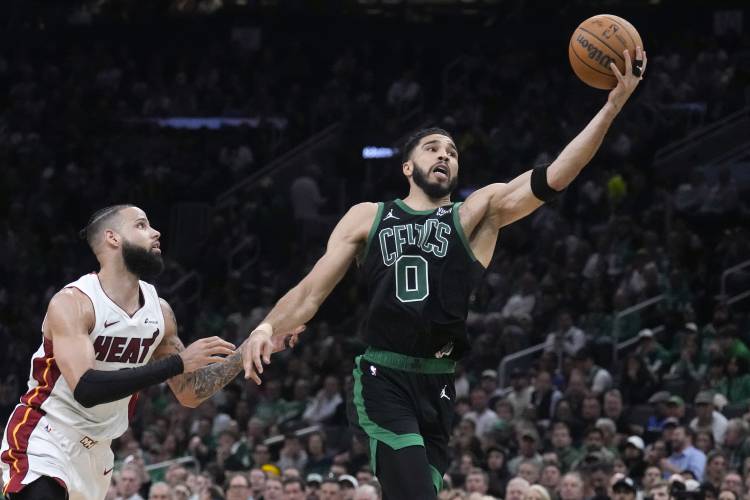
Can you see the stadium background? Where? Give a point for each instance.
(245, 129)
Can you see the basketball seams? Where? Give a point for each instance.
(626, 28)
(583, 61)
(605, 43)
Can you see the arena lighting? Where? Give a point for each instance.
(374, 152)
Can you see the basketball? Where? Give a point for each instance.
(597, 42)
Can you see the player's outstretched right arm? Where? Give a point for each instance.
(301, 303)
(70, 319)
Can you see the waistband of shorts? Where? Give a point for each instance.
(74, 435)
(406, 363)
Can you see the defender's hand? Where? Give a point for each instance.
(626, 83)
(257, 350)
(205, 352)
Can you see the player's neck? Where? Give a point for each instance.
(418, 200)
(121, 286)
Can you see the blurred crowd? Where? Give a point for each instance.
(663, 416)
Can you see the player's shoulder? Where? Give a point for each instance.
(364, 209)
(356, 223)
(362, 213)
(71, 305)
(69, 296)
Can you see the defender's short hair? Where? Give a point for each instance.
(417, 136)
(98, 220)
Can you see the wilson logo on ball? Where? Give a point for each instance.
(595, 53)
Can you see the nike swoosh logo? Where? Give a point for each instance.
(108, 471)
(107, 325)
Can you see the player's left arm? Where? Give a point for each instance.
(506, 203)
(191, 389)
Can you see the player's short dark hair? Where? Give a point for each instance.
(98, 219)
(417, 136)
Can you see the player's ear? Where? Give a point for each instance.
(407, 168)
(112, 237)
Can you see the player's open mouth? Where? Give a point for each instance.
(156, 247)
(441, 171)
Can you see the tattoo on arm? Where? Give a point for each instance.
(209, 380)
(205, 382)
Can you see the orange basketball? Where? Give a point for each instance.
(598, 41)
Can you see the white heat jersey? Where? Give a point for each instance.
(120, 341)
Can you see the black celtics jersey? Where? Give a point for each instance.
(420, 272)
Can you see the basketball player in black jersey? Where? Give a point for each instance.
(421, 257)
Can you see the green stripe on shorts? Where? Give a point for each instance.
(373, 430)
(437, 479)
(406, 363)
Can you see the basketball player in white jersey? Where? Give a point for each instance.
(105, 337)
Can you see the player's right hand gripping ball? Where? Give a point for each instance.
(599, 41)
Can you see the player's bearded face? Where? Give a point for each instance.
(431, 187)
(142, 262)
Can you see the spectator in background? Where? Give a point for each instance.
(567, 338)
(162, 491)
(737, 443)
(658, 490)
(551, 476)
(366, 492)
(530, 470)
(238, 488)
(651, 477)
(684, 456)
(704, 441)
(598, 379)
(523, 300)
(676, 408)
(716, 468)
(305, 195)
(484, 417)
(325, 403)
(292, 454)
(633, 456)
(257, 483)
(655, 422)
(294, 489)
(536, 492)
(318, 461)
(528, 443)
(488, 382)
(273, 489)
(571, 487)
(690, 367)
(636, 381)
(520, 394)
(404, 92)
(497, 468)
(613, 409)
(129, 483)
(562, 446)
(735, 386)
(477, 481)
(707, 418)
(544, 397)
(733, 482)
(731, 345)
(722, 197)
(624, 489)
(591, 410)
(330, 489)
(517, 488)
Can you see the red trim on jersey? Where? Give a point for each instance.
(22, 423)
(132, 405)
(46, 372)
